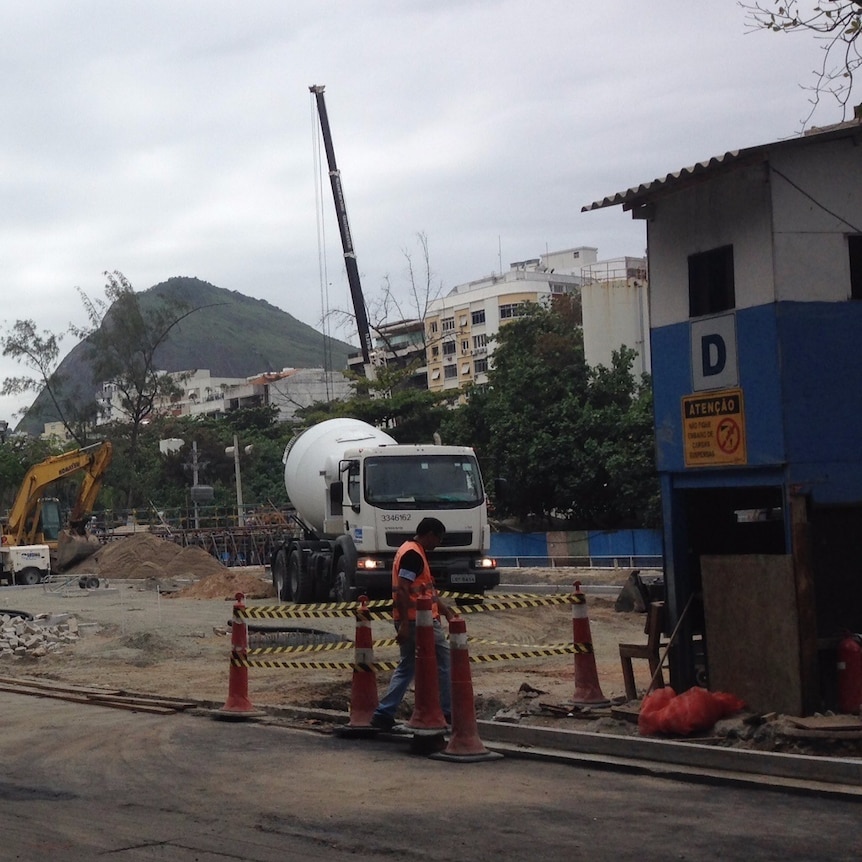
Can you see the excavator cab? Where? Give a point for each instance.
(52, 522)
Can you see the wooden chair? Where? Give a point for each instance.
(651, 651)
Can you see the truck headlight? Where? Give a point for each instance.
(485, 563)
(369, 563)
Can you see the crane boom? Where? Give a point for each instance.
(344, 228)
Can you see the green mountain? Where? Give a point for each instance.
(230, 334)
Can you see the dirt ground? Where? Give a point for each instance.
(159, 624)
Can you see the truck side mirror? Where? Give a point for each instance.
(501, 487)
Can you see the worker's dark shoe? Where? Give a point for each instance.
(382, 722)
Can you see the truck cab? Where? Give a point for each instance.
(386, 491)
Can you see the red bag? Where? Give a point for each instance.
(692, 711)
(652, 704)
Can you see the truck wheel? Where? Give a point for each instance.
(280, 581)
(321, 586)
(344, 589)
(28, 577)
(301, 583)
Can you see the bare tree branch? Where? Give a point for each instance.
(837, 24)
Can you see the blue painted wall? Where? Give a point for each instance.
(800, 370)
(613, 543)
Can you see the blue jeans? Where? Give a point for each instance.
(403, 675)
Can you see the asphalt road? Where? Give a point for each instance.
(87, 782)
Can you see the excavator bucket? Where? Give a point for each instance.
(72, 548)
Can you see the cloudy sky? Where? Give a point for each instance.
(177, 138)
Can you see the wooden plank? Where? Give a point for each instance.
(54, 685)
(145, 700)
(752, 630)
(71, 697)
(828, 722)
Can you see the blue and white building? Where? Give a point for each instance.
(755, 271)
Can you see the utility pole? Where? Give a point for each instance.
(240, 509)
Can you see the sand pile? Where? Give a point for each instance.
(226, 585)
(143, 555)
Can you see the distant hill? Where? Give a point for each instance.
(231, 334)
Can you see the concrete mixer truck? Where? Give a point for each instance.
(359, 495)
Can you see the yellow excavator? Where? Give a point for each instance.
(34, 540)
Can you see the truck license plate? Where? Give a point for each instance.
(463, 579)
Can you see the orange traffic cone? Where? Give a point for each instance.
(238, 706)
(427, 718)
(464, 743)
(587, 689)
(363, 688)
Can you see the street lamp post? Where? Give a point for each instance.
(234, 450)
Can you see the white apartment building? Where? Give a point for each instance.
(615, 308)
(201, 394)
(613, 293)
(293, 388)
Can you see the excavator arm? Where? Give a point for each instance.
(22, 526)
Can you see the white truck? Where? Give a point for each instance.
(359, 495)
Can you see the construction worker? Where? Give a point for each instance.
(411, 578)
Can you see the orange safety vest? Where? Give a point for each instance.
(424, 582)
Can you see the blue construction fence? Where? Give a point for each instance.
(639, 549)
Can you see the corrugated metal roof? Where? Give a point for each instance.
(730, 160)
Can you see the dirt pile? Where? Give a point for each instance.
(143, 555)
(226, 585)
(171, 566)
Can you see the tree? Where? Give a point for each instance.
(837, 23)
(387, 401)
(122, 339)
(387, 308)
(574, 443)
(39, 351)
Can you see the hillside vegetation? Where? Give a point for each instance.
(230, 334)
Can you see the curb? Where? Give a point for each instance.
(682, 761)
(685, 760)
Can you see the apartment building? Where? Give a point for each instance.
(459, 325)
(201, 394)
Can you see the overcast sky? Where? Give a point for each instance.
(177, 138)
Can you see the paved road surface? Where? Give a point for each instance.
(90, 783)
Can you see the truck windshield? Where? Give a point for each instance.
(420, 481)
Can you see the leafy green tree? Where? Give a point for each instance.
(17, 455)
(387, 401)
(39, 352)
(573, 443)
(122, 339)
(836, 23)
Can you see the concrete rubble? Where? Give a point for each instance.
(21, 637)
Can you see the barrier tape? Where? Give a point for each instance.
(382, 609)
(383, 643)
(250, 660)
(309, 664)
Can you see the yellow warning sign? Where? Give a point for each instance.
(713, 427)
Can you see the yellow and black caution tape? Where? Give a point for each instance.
(517, 602)
(293, 612)
(309, 664)
(301, 648)
(533, 652)
(382, 608)
(558, 649)
(250, 659)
